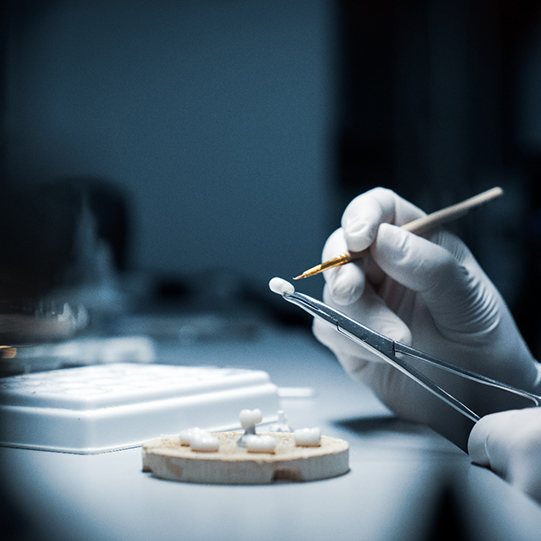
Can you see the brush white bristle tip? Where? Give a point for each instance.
(281, 286)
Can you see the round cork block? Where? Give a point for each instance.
(166, 458)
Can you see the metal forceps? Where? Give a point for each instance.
(392, 352)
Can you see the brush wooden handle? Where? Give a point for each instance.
(435, 219)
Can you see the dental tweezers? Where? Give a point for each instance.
(392, 352)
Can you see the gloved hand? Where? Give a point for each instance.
(509, 443)
(427, 292)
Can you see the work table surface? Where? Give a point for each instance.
(405, 482)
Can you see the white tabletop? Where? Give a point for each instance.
(396, 488)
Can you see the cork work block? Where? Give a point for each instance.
(166, 458)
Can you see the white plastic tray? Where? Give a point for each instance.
(101, 408)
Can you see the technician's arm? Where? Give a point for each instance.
(509, 443)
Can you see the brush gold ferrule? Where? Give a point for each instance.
(337, 261)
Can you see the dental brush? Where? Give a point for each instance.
(420, 225)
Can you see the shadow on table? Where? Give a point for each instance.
(380, 423)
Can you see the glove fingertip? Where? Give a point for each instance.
(477, 445)
(346, 285)
(485, 440)
(402, 334)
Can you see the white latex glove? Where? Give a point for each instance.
(509, 443)
(431, 294)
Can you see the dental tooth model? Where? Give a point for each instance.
(248, 420)
(281, 425)
(260, 444)
(185, 436)
(204, 442)
(307, 437)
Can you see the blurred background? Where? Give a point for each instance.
(173, 156)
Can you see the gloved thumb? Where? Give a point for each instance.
(447, 278)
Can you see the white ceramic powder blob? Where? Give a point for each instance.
(281, 286)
